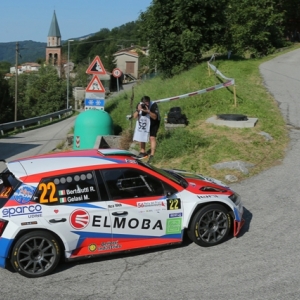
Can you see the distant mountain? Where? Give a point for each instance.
(29, 51)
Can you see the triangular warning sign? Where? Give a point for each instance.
(95, 86)
(96, 67)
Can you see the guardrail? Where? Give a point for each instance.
(35, 120)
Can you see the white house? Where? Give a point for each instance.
(127, 60)
(26, 68)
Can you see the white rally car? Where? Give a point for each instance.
(80, 204)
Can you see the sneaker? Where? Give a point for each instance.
(142, 155)
(150, 159)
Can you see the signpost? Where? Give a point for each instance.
(95, 86)
(95, 91)
(117, 73)
(94, 104)
(96, 67)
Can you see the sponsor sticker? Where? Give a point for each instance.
(207, 196)
(175, 215)
(131, 161)
(147, 204)
(109, 246)
(26, 210)
(173, 226)
(92, 247)
(79, 219)
(23, 194)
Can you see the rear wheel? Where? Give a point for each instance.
(35, 254)
(210, 225)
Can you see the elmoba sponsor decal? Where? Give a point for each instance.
(124, 223)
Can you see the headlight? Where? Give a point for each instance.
(235, 198)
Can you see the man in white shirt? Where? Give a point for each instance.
(147, 125)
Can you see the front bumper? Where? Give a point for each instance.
(238, 219)
(237, 226)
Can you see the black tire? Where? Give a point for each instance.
(233, 117)
(35, 254)
(210, 225)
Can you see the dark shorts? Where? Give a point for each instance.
(154, 128)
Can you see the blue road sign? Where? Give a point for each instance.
(94, 102)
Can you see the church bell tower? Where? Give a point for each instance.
(54, 48)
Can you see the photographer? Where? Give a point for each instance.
(147, 124)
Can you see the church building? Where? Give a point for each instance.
(54, 47)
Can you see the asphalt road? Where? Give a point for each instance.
(262, 263)
(34, 142)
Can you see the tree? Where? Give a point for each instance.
(39, 93)
(45, 92)
(254, 25)
(292, 20)
(4, 66)
(6, 102)
(22, 85)
(180, 31)
(104, 44)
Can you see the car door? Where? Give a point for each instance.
(140, 212)
(72, 208)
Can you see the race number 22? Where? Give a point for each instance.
(44, 188)
(173, 204)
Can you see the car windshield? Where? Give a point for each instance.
(8, 184)
(166, 173)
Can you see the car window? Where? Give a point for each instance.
(68, 188)
(8, 184)
(130, 183)
(166, 173)
(101, 186)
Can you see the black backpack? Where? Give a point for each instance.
(176, 117)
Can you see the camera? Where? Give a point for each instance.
(143, 105)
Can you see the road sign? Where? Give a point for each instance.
(95, 95)
(77, 141)
(116, 72)
(94, 107)
(94, 102)
(95, 86)
(96, 67)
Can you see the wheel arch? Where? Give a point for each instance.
(201, 205)
(30, 230)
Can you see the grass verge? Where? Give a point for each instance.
(200, 145)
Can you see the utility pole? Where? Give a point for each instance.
(16, 81)
(68, 73)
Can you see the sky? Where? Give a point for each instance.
(22, 20)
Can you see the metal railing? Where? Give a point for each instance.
(35, 120)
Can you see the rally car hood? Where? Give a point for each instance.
(198, 183)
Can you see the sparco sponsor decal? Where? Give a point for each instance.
(79, 219)
(30, 210)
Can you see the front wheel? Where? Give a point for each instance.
(35, 254)
(210, 225)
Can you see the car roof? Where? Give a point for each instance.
(66, 160)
